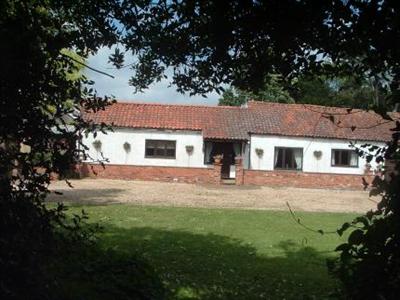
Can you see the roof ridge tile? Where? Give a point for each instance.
(178, 105)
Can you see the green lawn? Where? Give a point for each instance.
(225, 254)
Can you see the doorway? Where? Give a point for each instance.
(228, 150)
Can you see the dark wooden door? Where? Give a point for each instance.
(228, 159)
(226, 149)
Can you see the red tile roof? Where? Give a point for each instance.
(217, 122)
(225, 122)
(320, 121)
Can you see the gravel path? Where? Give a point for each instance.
(105, 191)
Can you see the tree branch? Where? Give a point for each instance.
(298, 221)
(87, 66)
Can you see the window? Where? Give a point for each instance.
(208, 153)
(288, 158)
(344, 158)
(160, 149)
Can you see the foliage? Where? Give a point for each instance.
(97, 145)
(259, 152)
(317, 154)
(127, 147)
(78, 62)
(313, 90)
(189, 149)
(362, 93)
(346, 91)
(218, 158)
(235, 97)
(207, 43)
(272, 91)
(42, 48)
(369, 263)
(225, 253)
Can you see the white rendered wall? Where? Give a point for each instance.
(112, 147)
(309, 145)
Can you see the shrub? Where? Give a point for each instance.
(369, 262)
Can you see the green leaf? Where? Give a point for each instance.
(344, 227)
(356, 237)
(342, 247)
(362, 219)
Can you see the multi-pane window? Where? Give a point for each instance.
(288, 158)
(160, 149)
(344, 158)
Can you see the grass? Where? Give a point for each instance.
(223, 253)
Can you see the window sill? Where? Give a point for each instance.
(344, 166)
(288, 170)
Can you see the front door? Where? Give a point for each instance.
(226, 149)
(227, 161)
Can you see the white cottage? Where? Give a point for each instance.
(273, 143)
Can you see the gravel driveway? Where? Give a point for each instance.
(106, 191)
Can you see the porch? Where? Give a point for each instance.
(226, 154)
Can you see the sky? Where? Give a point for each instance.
(157, 93)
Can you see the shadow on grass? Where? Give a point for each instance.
(196, 266)
(86, 196)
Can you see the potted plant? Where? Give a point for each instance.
(97, 145)
(189, 149)
(127, 147)
(317, 154)
(218, 158)
(259, 152)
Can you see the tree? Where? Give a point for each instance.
(235, 97)
(359, 93)
(313, 90)
(40, 97)
(241, 42)
(272, 91)
(347, 91)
